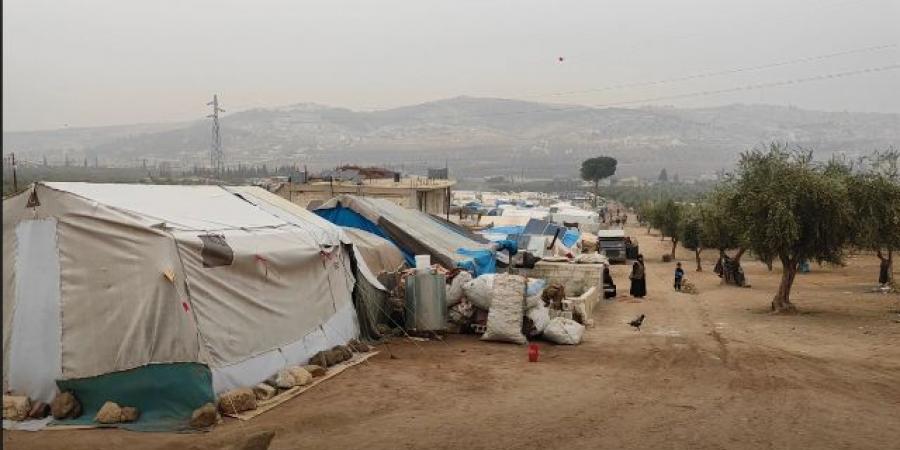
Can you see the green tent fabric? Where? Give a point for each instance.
(165, 394)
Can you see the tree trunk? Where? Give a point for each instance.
(890, 264)
(674, 245)
(697, 255)
(782, 301)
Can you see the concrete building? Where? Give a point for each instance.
(421, 193)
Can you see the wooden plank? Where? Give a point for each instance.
(267, 405)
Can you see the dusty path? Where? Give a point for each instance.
(709, 371)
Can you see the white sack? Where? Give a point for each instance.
(504, 322)
(564, 331)
(540, 317)
(455, 288)
(480, 290)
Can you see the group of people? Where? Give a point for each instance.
(638, 279)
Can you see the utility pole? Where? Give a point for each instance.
(216, 157)
(12, 162)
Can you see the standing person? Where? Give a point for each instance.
(638, 279)
(679, 275)
(609, 287)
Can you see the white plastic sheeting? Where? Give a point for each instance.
(35, 351)
(337, 330)
(184, 207)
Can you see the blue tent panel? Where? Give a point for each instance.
(347, 217)
(482, 261)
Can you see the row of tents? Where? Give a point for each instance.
(163, 297)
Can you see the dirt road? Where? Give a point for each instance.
(711, 371)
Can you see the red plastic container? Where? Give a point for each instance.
(533, 351)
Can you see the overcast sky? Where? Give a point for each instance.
(102, 62)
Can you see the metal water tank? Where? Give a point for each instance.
(426, 302)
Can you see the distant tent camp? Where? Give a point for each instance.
(414, 232)
(161, 297)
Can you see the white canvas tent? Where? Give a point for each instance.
(232, 283)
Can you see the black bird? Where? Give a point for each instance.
(637, 322)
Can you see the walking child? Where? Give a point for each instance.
(679, 274)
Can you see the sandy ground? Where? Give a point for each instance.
(712, 371)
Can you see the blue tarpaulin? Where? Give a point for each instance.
(347, 217)
(482, 261)
(513, 232)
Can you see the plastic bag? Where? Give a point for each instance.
(480, 290)
(564, 331)
(504, 321)
(455, 288)
(535, 286)
(540, 318)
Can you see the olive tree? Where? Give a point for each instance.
(789, 209)
(668, 221)
(691, 231)
(874, 193)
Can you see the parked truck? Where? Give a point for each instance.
(611, 243)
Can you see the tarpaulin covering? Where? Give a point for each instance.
(414, 232)
(121, 277)
(165, 395)
(534, 227)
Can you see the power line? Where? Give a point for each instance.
(719, 72)
(749, 87)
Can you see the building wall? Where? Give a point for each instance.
(433, 201)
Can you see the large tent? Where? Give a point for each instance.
(161, 297)
(414, 232)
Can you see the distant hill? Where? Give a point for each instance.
(476, 137)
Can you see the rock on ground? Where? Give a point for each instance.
(315, 370)
(282, 380)
(301, 376)
(16, 407)
(110, 412)
(65, 406)
(256, 441)
(357, 346)
(130, 414)
(264, 391)
(204, 416)
(237, 400)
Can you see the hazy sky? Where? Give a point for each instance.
(101, 62)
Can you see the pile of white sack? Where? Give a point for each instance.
(508, 308)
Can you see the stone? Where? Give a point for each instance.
(110, 412)
(65, 406)
(39, 410)
(130, 414)
(282, 380)
(16, 407)
(301, 376)
(315, 370)
(264, 391)
(334, 356)
(357, 346)
(346, 351)
(320, 359)
(256, 441)
(204, 416)
(237, 400)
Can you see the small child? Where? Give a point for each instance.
(679, 274)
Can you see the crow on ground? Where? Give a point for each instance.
(637, 322)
